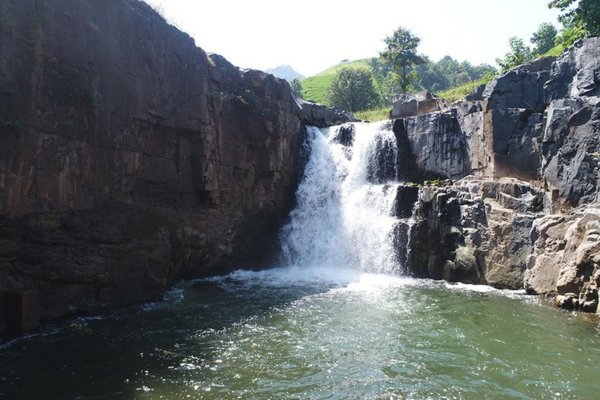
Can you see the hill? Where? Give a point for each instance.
(315, 88)
(285, 72)
(442, 76)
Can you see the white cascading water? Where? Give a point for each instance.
(344, 217)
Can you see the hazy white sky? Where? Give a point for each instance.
(312, 35)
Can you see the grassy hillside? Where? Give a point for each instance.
(459, 92)
(315, 87)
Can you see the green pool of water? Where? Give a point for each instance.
(313, 334)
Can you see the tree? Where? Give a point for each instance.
(401, 55)
(543, 39)
(352, 90)
(519, 54)
(296, 86)
(585, 13)
(570, 35)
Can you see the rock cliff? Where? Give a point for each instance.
(130, 158)
(525, 154)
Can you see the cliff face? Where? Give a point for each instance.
(130, 158)
(524, 212)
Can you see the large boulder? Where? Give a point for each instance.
(566, 259)
(409, 105)
(321, 116)
(438, 144)
(522, 87)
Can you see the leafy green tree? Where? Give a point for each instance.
(519, 54)
(570, 35)
(385, 86)
(543, 39)
(296, 86)
(401, 55)
(449, 72)
(352, 90)
(585, 13)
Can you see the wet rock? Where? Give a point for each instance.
(568, 301)
(407, 169)
(345, 135)
(401, 236)
(440, 246)
(406, 199)
(382, 166)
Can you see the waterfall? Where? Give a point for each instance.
(344, 217)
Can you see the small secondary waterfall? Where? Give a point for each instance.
(345, 203)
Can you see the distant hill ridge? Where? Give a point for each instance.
(285, 72)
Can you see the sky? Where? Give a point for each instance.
(312, 35)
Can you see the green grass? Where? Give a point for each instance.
(315, 88)
(377, 114)
(555, 51)
(459, 92)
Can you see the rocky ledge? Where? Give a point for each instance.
(130, 158)
(523, 208)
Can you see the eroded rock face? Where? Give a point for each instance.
(438, 144)
(130, 158)
(566, 259)
(521, 88)
(540, 124)
(575, 73)
(475, 231)
(571, 149)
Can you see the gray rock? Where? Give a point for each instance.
(406, 199)
(345, 134)
(321, 116)
(566, 258)
(576, 72)
(513, 134)
(522, 87)
(439, 145)
(408, 105)
(466, 232)
(476, 94)
(571, 149)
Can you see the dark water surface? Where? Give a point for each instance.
(313, 334)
